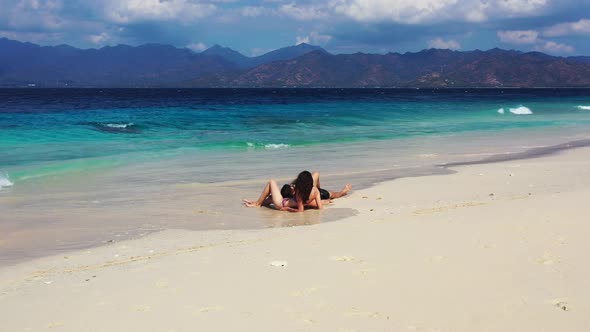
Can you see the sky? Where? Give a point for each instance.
(556, 27)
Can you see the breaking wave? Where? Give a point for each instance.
(269, 146)
(586, 108)
(5, 181)
(120, 125)
(125, 128)
(522, 110)
(276, 146)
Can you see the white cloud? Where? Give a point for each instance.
(444, 44)
(301, 40)
(250, 11)
(32, 15)
(302, 12)
(554, 48)
(518, 36)
(480, 11)
(99, 39)
(314, 38)
(39, 5)
(521, 6)
(581, 27)
(127, 11)
(402, 11)
(429, 11)
(197, 47)
(477, 13)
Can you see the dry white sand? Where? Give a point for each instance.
(496, 247)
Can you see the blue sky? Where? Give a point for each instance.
(340, 26)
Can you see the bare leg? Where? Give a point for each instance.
(271, 188)
(342, 192)
(337, 194)
(316, 179)
(267, 201)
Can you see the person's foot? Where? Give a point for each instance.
(249, 203)
(346, 189)
(342, 192)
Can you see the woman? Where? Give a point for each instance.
(327, 196)
(305, 194)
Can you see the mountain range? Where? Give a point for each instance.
(243, 61)
(303, 65)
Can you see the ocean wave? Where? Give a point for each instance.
(586, 108)
(276, 146)
(119, 125)
(522, 110)
(5, 181)
(501, 110)
(125, 128)
(269, 146)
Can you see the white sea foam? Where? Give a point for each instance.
(5, 181)
(586, 108)
(276, 146)
(269, 146)
(522, 110)
(119, 125)
(501, 110)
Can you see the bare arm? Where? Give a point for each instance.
(318, 200)
(316, 179)
(300, 206)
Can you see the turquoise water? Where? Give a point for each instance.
(55, 132)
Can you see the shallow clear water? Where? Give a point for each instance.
(80, 166)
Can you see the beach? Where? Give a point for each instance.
(487, 247)
(81, 168)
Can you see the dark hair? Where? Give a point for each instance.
(303, 185)
(287, 191)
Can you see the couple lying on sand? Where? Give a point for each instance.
(303, 192)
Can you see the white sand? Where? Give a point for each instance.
(437, 253)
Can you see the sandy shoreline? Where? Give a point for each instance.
(50, 216)
(493, 247)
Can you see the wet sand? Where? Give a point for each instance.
(57, 215)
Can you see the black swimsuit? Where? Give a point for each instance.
(324, 194)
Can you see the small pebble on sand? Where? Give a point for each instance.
(278, 263)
